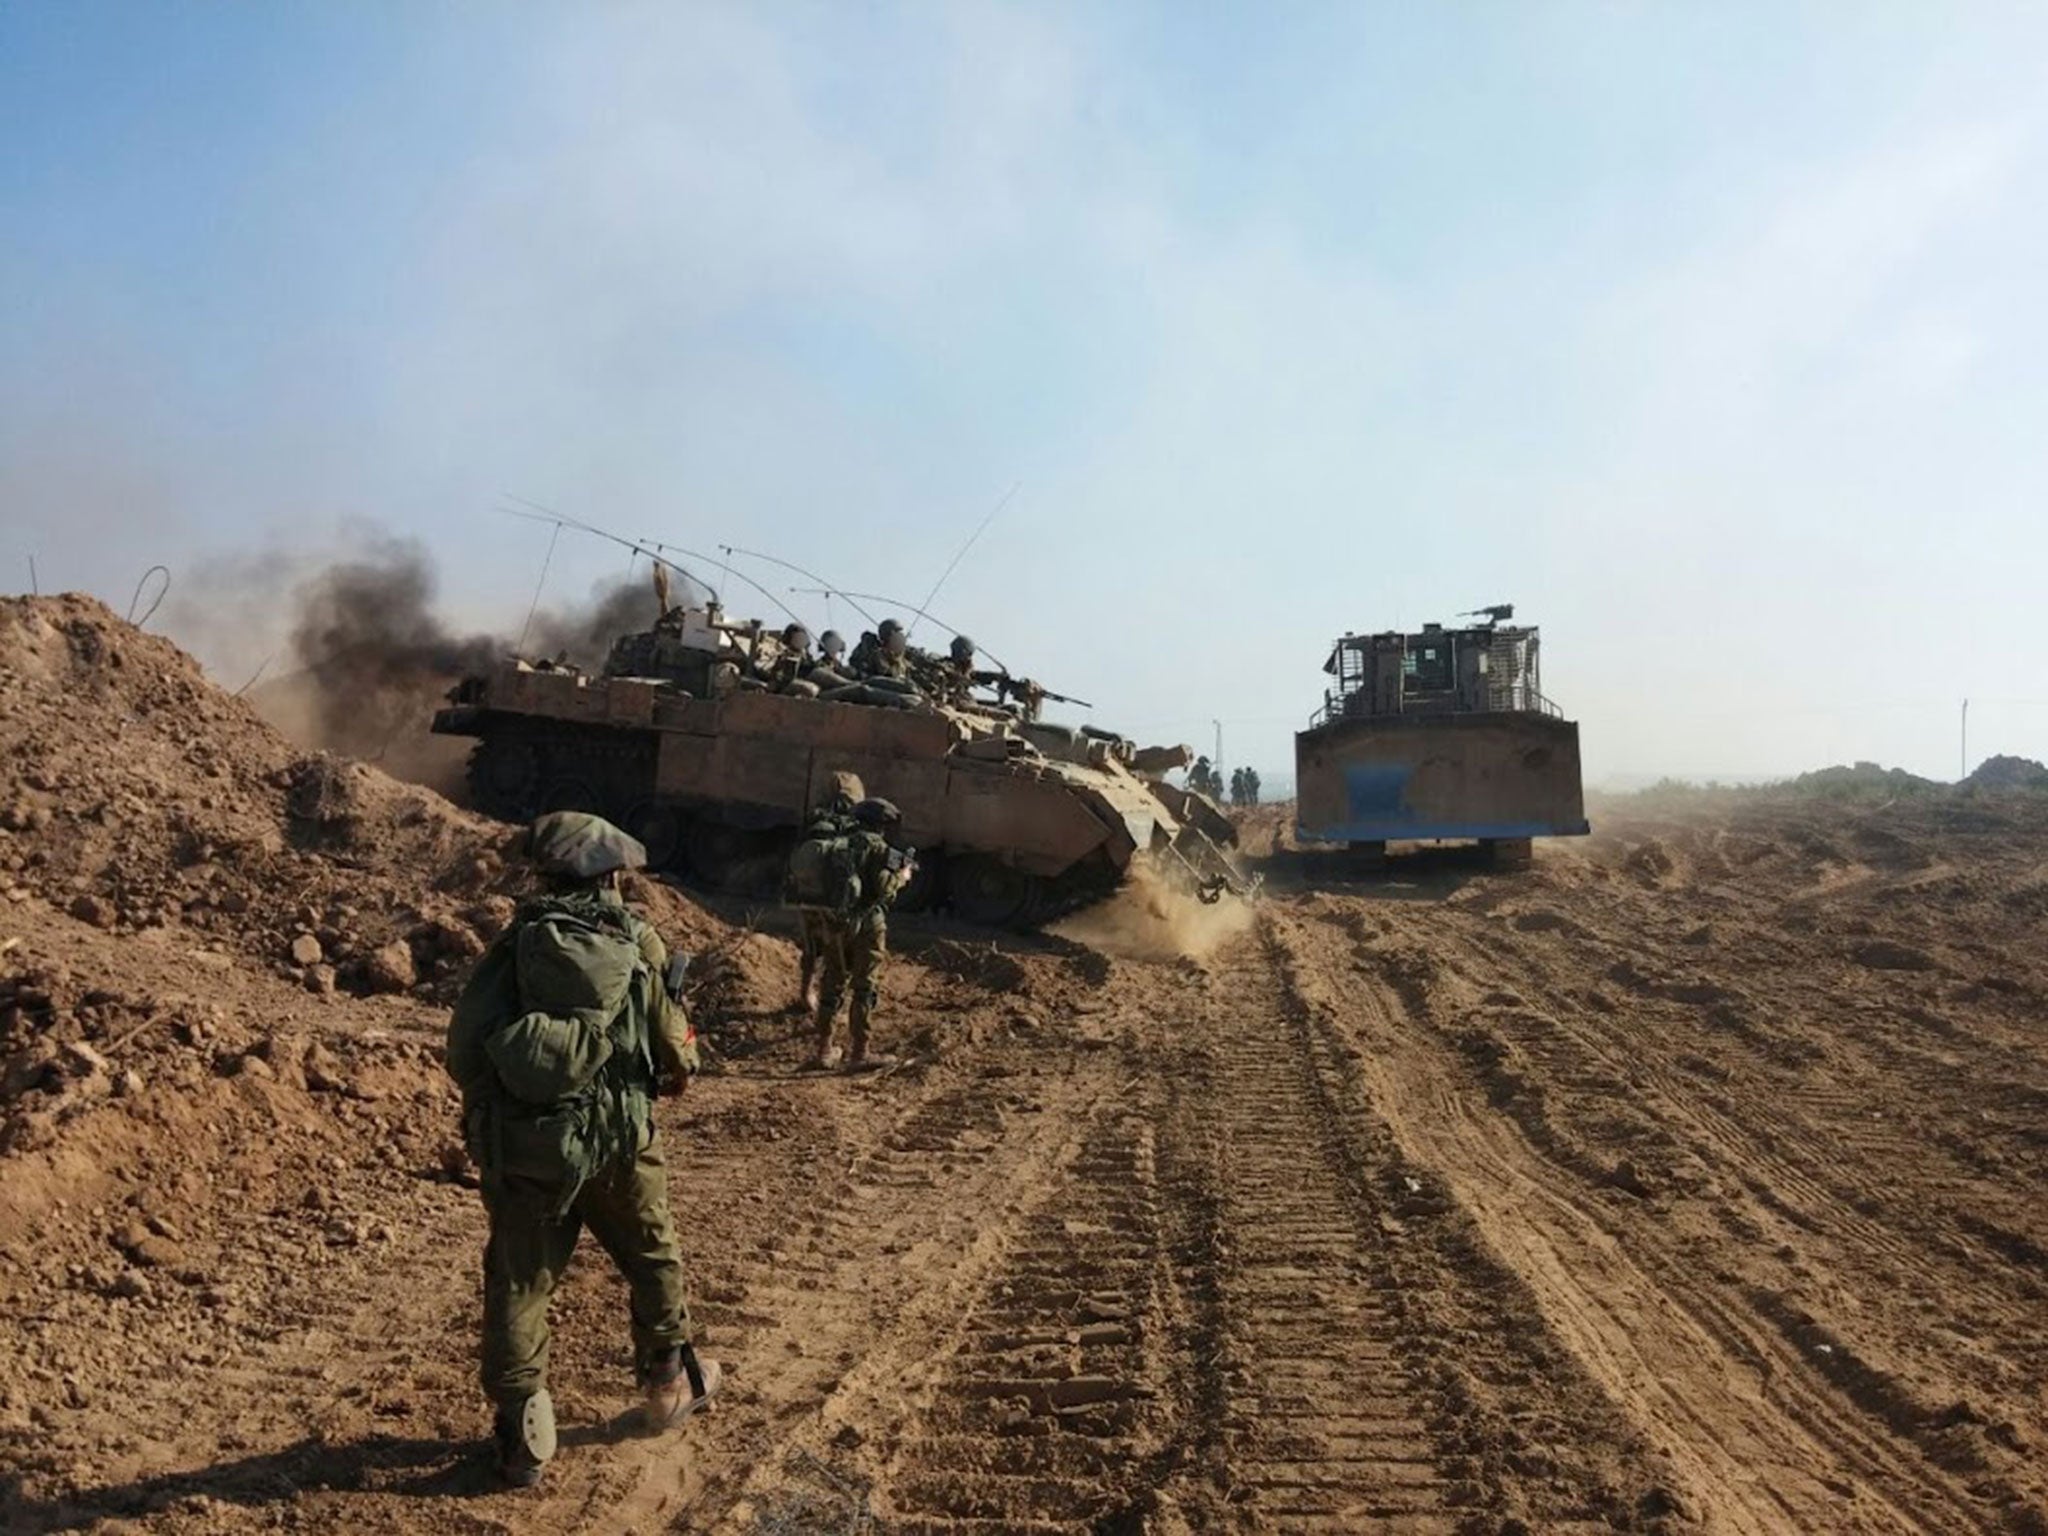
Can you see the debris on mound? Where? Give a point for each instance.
(2007, 772)
(140, 798)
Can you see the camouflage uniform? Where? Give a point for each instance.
(853, 946)
(873, 658)
(833, 820)
(592, 1159)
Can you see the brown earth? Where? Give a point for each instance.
(1689, 1180)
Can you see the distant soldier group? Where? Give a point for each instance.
(1207, 779)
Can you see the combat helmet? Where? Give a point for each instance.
(963, 650)
(832, 644)
(877, 813)
(844, 791)
(581, 846)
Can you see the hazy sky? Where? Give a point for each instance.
(1710, 335)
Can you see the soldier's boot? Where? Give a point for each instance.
(859, 1059)
(676, 1385)
(524, 1439)
(824, 1055)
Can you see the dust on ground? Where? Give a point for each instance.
(1689, 1180)
(1148, 918)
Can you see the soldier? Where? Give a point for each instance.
(788, 671)
(1237, 786)
(885, 653)
(1251, 786)
(571, 1024)
(833, 818)
(831, 669)
(855, 938)
(1201, 777)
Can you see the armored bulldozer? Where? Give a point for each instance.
(688, 740)
(1443, 735)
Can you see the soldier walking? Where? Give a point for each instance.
(833, 818)
(853, 928)
(570, 1026)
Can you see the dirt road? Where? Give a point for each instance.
(1690, 1180)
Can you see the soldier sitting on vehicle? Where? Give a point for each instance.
(831, 669)
(884, 653)
(788, 668)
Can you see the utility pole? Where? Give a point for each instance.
(1217, 760)
(1964, 760)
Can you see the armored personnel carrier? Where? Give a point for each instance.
(695, 739)
(1441, 735)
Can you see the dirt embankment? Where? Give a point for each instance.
(1688, 1181)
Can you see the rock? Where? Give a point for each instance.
(27, 1068)
(97, 910)
(306, 950)
(134, 1285)
(323, 1071)
(452, 939)
(390, 969)
(82, 1059)
(129, 1084)
(320, 980)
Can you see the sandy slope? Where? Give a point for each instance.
(1690, 1180)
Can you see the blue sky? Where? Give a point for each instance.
(1712, 335)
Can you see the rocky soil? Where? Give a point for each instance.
(1691, 1180)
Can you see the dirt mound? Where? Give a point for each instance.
(139, 797)
(2005, 772)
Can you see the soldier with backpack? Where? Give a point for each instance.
(846, 881)
(570, 1026)
(833, 818)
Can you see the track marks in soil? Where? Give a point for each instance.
(1045, 1415)
(1360, 1364)
(1764, 1440)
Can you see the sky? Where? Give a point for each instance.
(1711, 336)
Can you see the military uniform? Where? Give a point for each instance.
(554, 1162)
(852, 946)
(873, 658)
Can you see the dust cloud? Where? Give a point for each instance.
(354, 655)
(1150, 919)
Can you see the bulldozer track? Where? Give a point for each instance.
(1045, 1414)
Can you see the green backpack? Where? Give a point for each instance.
(533, 1033)
(824, 871)
(574, 973)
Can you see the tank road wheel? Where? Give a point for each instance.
(991, 893)
(927, 886)
(718, 854)
(662, 829)
(504, 777)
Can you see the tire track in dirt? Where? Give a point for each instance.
(1820, 1156)
(1045, 1415)
(844, 1307)
(1763, 1442)
(1358, 1365)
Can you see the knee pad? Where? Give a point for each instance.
(536, 1425)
